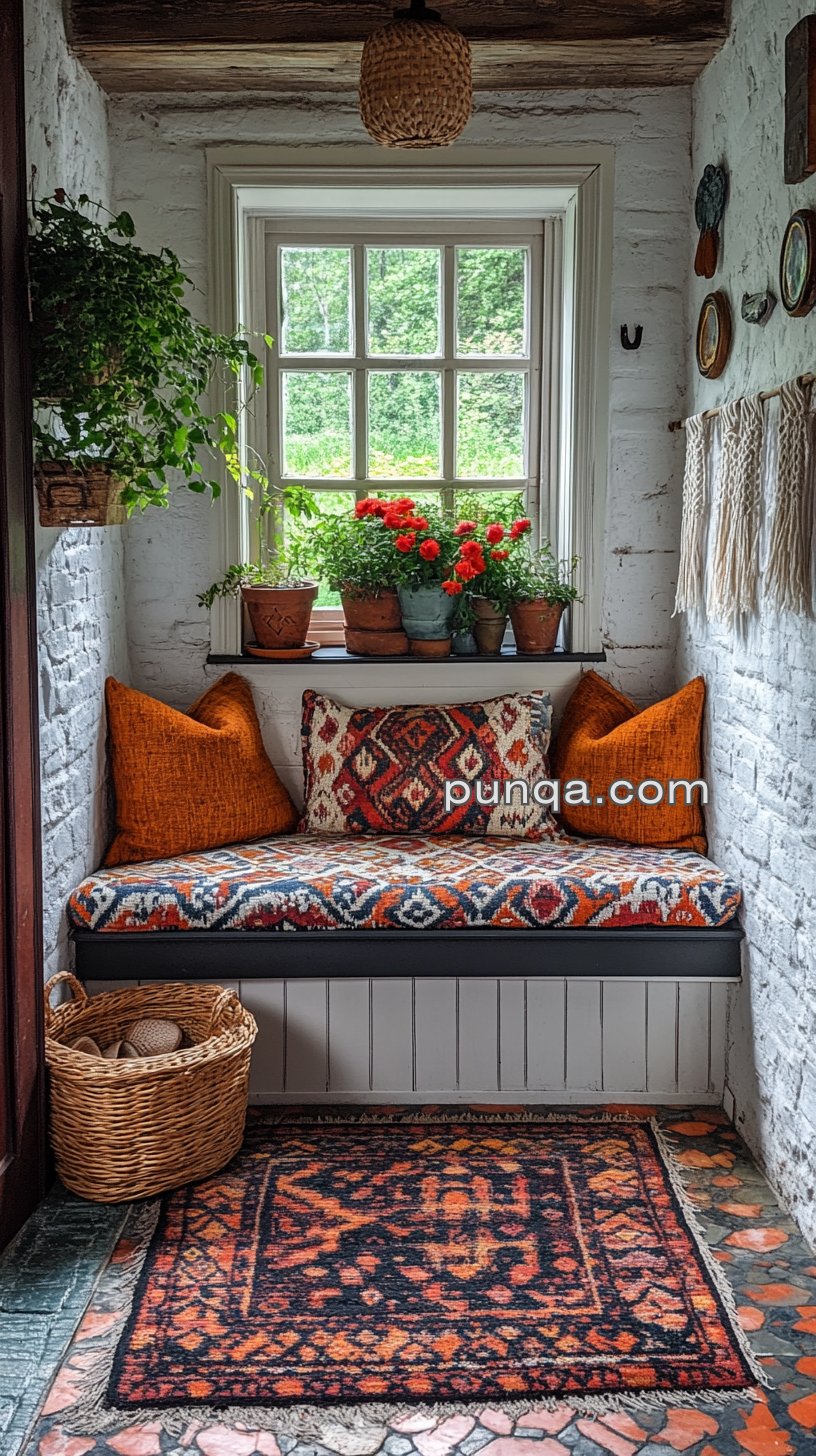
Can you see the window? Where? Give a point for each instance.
(440, 331)
(406, 359)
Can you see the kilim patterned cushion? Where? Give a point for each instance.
(303, 882)
(383, 770)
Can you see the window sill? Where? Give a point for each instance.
(339, 657)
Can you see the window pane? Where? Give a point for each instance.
(491, 288)
(490, 505)
(331, 503)
(316, 300)
(490, 425)
(403, 300)
(403, 424)
(317, 424)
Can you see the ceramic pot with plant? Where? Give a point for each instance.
(480, 574)
(279, 606)
(541, 589)
(353, 553)
(421, 552)
(120, 367)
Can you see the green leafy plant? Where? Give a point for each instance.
(539, 576)
(352, 553)
(120, 363)
(279, 564)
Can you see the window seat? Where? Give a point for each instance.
(310, 905)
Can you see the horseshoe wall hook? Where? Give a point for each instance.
(631, 343)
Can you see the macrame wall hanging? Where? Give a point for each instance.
(690, 594)
(734, 567)
(719, 573)
(788, 578)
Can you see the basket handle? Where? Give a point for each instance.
(226, 999)
(62, 978)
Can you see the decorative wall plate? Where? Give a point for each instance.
(797, 264)
(709, 206)
(713, 335)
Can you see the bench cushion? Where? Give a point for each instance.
(393, 882)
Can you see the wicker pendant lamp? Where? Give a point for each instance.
(416, 88)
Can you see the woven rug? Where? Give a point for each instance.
(384, 1259)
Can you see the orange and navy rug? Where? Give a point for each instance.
(355, 1257)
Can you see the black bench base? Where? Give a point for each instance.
(641, 953)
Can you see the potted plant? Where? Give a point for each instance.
(540, 588)
(276, 589)
(120, 367)
(483, 568)
(423, 549)
(354, 554)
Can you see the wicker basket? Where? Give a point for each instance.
(130, 1129)
(416, 88)
(71, 497)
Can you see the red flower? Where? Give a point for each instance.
(452, 588)
(465, 528)
(406, 543)
(429, 550)
(470, 549)
(520, 527)
(394, 520)
(499, 555)
(466, 571)
(414, 523)
(495, 534)
(371, 506)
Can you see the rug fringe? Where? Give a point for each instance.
(359, 1430)
(721, 1282)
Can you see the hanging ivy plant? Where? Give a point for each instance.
(120, 363)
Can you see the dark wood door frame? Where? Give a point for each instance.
(22, 1165)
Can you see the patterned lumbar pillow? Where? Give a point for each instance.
(385, 770)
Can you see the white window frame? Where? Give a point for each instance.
(251, 186)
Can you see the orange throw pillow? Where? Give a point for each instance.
(604, 737)
(194, 780)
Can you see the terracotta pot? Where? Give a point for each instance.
(372, 613)
(280, 614)
(71, 497)
(427, 613)
(489, 627)
(430, 647)
(376, 644)
(535, 625)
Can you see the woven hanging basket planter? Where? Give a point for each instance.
(69, 496)
(416, 88)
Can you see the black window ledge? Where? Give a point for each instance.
(338, 656)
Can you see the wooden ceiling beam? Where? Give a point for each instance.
(258, 45)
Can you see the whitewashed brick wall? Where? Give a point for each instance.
(762, 690)
(158, 146)
(80, 592)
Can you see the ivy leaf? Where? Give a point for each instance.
(180, 440)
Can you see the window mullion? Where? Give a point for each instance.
(360, 376)
(448, 374)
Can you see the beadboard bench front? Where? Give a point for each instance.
(546, 1016)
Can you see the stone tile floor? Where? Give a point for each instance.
(48, 1276)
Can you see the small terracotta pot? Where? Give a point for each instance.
(376, 644)
(489, 627)
(280, 615)
(372, 613)
(430, 646)
(535, 625)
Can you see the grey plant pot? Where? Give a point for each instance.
(464, 644)
(427, 612)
